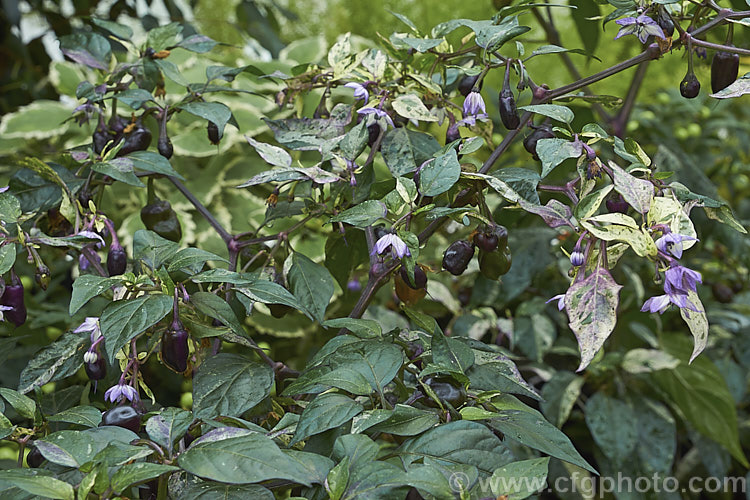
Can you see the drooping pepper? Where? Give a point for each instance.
(213, 133)
(725, 67)
(690, 87)
(164, 144)
(508, 111)
(159, 217)
(447, 390)
(407, 292)
(96, 370)
(492, 265)
(174, 344)
(13, 297)
(529, 143)
(137, 138)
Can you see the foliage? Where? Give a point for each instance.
(339, 273)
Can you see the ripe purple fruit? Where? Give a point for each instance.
(174, 347)
(96, 370)
(35, 458)
(508, 111)
(117, 260)
(420, 278)
(690, 87)
(122, 416)
(13, 297)
(486, 241)
(213, 133)
(139, 139)
(531, 140)
(467, 84)
(457, 257)
(725, 67)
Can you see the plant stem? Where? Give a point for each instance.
(202, 209)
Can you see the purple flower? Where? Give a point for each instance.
(681, 279)
(2, 190)
(474, 107)
(4, 308)
(354, 285)
(641, 26)
(671, 243)
(398, 248)
(656, 304)
(560, 301)
(379, 113)
(92, 235)
(119, 392)
(360, 91)
(90, 324)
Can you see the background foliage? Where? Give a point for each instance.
(639, 407)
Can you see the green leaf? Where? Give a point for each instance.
(496, 372)
(215, 307)
(268, 292)
(10, 210)
(354, 141)
(216, 112)
(225, 276)
(198, 43)
(404, 150)
(406, 421)
(462, 442)
(613, 426)
(738, 88)
(152, 162)
(621, 228)
(136, 473)
(363, 328)
(639, 193)
(362, 215)
(192, 260)
(326, 411)
(86, 416)
(554, 111)
(135, 98)
(376, 480)
(648, 360)
(411, 106)
(312, 284)
(168, 426)
(218, 491)
(418, 44)
(527, 426)
(120, 169)
(273, 155)
(152, 249)
(553, 152)
(123, 320)
(88, 286)
(584, 18)
(75, 448)
(697, 322)
(554, 213)
(230, 384)
(42, 119)
(163, 37)
(589, 204)
(7, 257)
(119, 30)
(657, 440)
(37, 483)
(89, 49)
(451, 353)
(55, 361)
(701, 395)
(440, 174)
(591, 304)
(560, 394)
(519, 480)
(26, 407)
(253, 458)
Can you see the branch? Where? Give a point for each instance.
(202, 209)
(620, 122)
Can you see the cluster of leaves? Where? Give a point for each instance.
(412, 396)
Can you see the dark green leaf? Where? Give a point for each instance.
(439, 175)
(192, 260)
(198, 43)
(57, 360)
(87, 287)
(216, 112)
(253, 458)
(119, 30)
(75, 448)
(152, 249)
(326, 411)
(218, 491)
(37, 483)
(87, 416)
(312, 284)
(7, 257)
(613, 426)
(404, 150)
(89, 49)
(123, 320)
(362, 215)
(136, 473)
(553, 152)
(528, 426)
(168, 426)
(152, 162)
(120, 169)
(10, 208)
(135, 98)
(26, 407)
(215, 307)
(229, 385)
(163, 37)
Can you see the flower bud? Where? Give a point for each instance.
(577, 258)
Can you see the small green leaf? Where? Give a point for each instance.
(26, 407)
(136, 473)
(86, 416)
(215, 307)
(326, 411)
(362, 215)
(168, 426)
(519, 480)
(439, 175)
(411, 107)
(554, 111)
(273, 155)
(613, 426)
(312, 284)
(38, 483)
(152, 162)
(88, 286)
